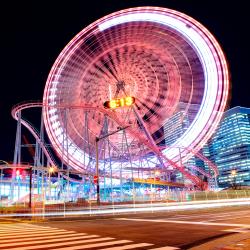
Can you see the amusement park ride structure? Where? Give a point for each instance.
(113, 90)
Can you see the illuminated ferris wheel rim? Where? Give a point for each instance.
(205, 45)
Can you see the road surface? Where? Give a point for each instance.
(167, 230)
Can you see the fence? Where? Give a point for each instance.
(41, 209)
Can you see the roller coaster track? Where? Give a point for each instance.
(200, 156)
(16, 110)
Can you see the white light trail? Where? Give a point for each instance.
(143, 208)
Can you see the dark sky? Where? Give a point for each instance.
(35, 32)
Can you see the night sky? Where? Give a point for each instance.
(35, 32)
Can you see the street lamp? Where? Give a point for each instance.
(97, 172)
(30, 186)
(233, 174)
(51, 171)
(156, 174)
(97, 139)
(5, 163)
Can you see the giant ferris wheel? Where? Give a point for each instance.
(122, 81)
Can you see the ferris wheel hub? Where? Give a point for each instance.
(168, 62)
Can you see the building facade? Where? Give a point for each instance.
(229, 148)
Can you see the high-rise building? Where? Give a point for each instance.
(179, 122)
(176, 126)
(229, 148)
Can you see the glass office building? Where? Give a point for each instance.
(229, 148)
(175, 127)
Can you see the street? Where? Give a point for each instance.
(158, 230)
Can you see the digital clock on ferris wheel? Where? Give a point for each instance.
(119, 102)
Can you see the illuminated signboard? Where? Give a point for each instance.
(120, 102)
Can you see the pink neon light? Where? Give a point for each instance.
(163, 56)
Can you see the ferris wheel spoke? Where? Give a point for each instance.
(167, 61)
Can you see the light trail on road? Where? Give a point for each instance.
(187, 222)
(102, 210)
